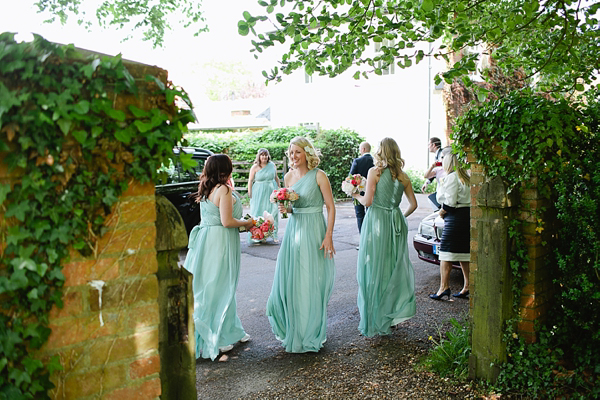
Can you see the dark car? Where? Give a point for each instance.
(182, 185)
(428, 238)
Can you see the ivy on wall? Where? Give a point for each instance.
(554, 147)
(72, 153)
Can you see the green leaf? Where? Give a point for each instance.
(80, 136)
(138, 112)
(158, 82)
(123, 136)
(64, 125)
(116, 114)
(4, 191)
(82, 107)
(142, 126)
(243, 28)
(427, 5)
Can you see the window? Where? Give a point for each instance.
(390, 69)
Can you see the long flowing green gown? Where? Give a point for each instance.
(297, 305)
(214, 259)
(386, 279)
(263, 186)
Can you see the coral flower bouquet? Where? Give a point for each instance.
(263, 228)
(354, 184)
(284, 196)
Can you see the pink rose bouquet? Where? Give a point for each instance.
(284, 196)
(263, 228)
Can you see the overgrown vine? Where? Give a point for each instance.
(533, 142)
(70, 153)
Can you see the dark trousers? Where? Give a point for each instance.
(359, 210)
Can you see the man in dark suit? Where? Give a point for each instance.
(361, 165)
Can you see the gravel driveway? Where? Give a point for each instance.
(349, 366)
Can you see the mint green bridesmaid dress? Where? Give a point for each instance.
(214, 259)
(263, 186)
(386, 279)
(297, 305)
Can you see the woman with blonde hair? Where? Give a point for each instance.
(304, 274)
(261, 183)
(386, 281)
(454, 195)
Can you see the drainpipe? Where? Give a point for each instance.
(428, 104)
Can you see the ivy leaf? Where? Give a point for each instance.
(80, 136)
(142, 126)
(64, 125)
(8, 99)
(115, 114)
(82, 107)
(31, 365)
(123, 135)
(159, 83)
(4, 191)
(19, 210)
(137, 112)
(88, 70)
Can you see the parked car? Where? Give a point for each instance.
(181, 185)
(428, 238)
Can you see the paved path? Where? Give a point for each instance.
(261, 363)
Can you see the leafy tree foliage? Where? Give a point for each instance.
(557, 38)
(149, 16)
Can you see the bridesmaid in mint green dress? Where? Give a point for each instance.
(304, 274)
(214, 260)
(262, 181)
(386, 282)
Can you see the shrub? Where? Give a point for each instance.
(450, 355)
(338, 147)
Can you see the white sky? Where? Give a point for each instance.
(181, 49)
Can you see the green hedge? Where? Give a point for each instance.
(338, 147)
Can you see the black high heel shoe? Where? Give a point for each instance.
(462, 295)
(446, 292)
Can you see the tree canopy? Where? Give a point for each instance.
(554, 41)
(151, 17)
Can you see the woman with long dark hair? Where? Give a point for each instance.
(214, 259)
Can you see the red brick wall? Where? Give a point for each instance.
(537, 279)
(120, 359)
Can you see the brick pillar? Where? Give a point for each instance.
(106, 335)
(538, 216)
(491, 274)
